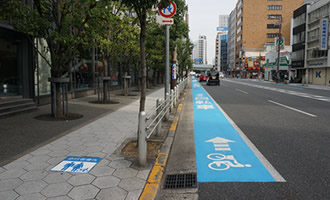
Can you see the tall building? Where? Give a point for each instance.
(298, 42)
(223, 20)
(231, 41)
(200, 50)
(221, 51)
(258, 23)
(317, 43)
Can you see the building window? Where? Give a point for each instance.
(300, 37)
(276, 17)
(274, 7)
(317, 54)
(313, 35)
(273, 26)
(272, 35)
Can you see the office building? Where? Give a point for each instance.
(258, 23)
(298, 43)
(231, 42)
(200, 50)
(317, 43)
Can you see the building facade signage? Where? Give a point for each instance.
(222, 28)
(324, 34)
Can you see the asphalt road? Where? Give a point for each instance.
(290, 126)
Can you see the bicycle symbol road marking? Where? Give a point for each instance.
(222, 162)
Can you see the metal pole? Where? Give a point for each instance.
(159, 109)
(167, 61)
(279, 51)
(167, 104)
(172, 99)
(142, 139)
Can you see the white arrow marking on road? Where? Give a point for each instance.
(220, 144)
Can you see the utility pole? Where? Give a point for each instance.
(279, 50)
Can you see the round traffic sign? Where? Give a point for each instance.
(168, 11)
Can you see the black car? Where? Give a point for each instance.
(213, 78)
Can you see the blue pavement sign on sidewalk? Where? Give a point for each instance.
(221, 153)
(76, 164)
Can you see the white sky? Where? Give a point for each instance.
(204, 20)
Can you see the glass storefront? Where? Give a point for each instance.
(10, 72)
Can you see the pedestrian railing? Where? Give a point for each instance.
(151, 123)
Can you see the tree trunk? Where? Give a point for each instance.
(59, 109)
(143, 19)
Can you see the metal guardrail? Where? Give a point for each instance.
(152, 123)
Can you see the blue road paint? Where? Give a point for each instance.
(221, 153)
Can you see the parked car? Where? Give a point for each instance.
(202, 77)
(213, 78)
(221, 75)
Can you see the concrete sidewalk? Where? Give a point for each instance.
(114, 177)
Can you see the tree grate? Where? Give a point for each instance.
(177, 181)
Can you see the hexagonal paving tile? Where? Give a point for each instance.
(93, 149)
(58, 189)
(39, 159)
(133, 195)
(35, 196)
(120, 164)
(58, 153)
(12, 173)
(8, 195)
(57, 177)
(60, 198)
(102, 171)
(125, 173)
(132, 184)
(83, 192)
(34, 175)
(81, 179)
(10, 184)
(106, 182)
(25, 157)
(59, 147)
(31, 187)
(103, 162)
(40, 152)
(97, 154)
(76, 148)
(56, 160)
(143, 174)
(112, 193)
(16, 165)
(37, 166)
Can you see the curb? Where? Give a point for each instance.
(151, 188)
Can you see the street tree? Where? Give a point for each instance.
(184, 51)
(142, 8)
(60, 23)
(110, 28)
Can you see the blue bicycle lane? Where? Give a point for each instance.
(221, 153)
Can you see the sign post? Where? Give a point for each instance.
(167, 13)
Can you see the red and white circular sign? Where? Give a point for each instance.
(168, 11)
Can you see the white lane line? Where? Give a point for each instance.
(242, 91)
(277, 176)
(288, 107)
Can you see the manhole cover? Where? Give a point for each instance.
(177, 181)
